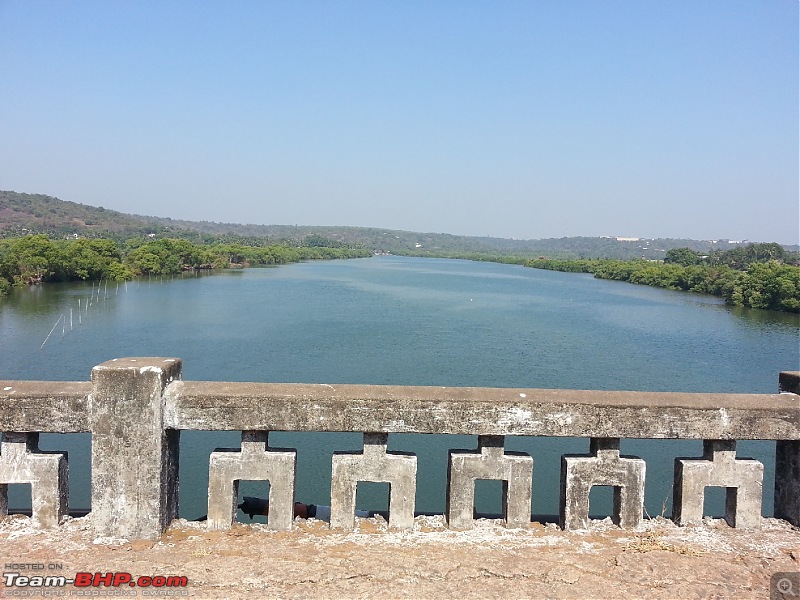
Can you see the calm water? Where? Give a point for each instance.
(393, 320)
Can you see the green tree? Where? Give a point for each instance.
(33, 259)
(89, 259)
(682, 256)
(770, 286)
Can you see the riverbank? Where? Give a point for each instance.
(768, 286)
(311, 561)
(36, 259)
(764, 283)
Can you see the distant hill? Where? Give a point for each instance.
(21, 214)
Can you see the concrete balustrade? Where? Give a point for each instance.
(719, 467)
(256, 461)
(375, 464)
(135, 409)
(604, 466)
(21, 461)
(490, 462)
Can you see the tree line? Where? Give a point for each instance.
(762, 276)
(765, 276)
(756, 276)
(36, 259)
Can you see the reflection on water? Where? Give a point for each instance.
(393, 320)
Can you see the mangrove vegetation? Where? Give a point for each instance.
(34, 259)
(756, 275)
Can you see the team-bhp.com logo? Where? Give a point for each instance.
(16, 581)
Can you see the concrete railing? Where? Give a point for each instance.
(135, 409)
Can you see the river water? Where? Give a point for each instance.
(405, 321)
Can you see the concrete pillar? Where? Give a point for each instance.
(255, 461)
(719, 467)
(787, 463)
(515, 470)
(603, 466)
(397, 469)
(134, 458)
(47, 472)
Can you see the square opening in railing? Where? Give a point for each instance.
(19, 498)
(373, 496)
(253, 500)
(601, 501)
(714, 502)
(488, 499)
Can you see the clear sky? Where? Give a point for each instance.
(527, 119)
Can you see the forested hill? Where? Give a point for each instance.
(22, 214)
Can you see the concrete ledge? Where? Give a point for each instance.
(44, 406)
(61, 407)
(481, 411)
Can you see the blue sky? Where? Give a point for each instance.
(670, 118)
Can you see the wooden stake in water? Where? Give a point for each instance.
(70, 319)
(51, 331)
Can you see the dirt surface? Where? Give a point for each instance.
(658, 561)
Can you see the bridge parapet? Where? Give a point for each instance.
(136, 408)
